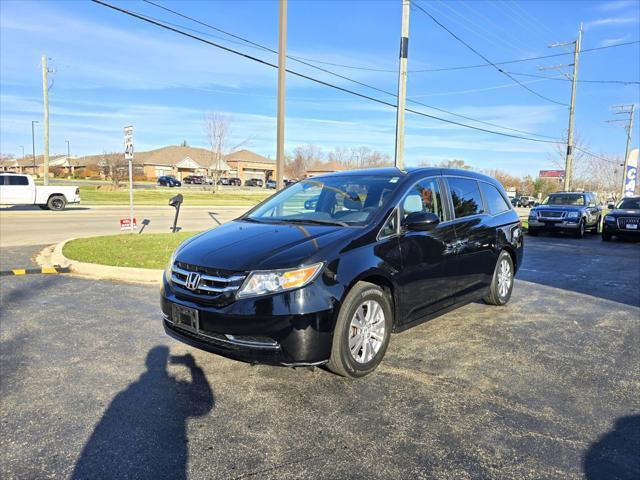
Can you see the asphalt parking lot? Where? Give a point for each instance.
(547, 387)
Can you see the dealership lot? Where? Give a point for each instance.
(546, 387)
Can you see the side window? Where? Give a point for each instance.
(2, 177)
(495, 201)
(465, 195)
(424, 196)
(391, 226)
(18, 180)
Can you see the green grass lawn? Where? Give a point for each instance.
(90, 195)
(151, 250)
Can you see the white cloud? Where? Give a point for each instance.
(616, 5)
(610, 41)
(611, 21)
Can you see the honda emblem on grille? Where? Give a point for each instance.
(193, 280)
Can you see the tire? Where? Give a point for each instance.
(57, 203)
(533, 233)
(362, 306)
(596, 228)
(502, 281)
(606, 237)
(579, 233)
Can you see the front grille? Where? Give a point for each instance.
(624, 221)
(211, 283)
(552, 214)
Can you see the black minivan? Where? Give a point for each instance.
(325, 270)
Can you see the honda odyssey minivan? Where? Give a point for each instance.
(325, 270)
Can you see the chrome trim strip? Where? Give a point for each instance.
(250, 343)
(203, 287)
(209, 278)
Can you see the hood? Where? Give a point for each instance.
(623, 212)
(243, 246)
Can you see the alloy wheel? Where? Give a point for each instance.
(366, 332)
(504, 278)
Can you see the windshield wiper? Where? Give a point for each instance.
(315, 221)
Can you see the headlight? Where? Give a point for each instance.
(533, 213)
(264, 283)
(609, 218)
(573, 215)
(167, 269)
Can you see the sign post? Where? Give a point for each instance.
(128, 155)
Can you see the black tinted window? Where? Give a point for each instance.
(495, 201)
(423, 197)
(465, 195)
(2, 177)
(17, 180)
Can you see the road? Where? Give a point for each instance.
(32, 226)
(546, 387)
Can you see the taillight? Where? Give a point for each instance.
(78, 191)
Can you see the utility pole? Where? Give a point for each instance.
(22, 147)
(45, 95)
(33, 145)
(282, 72)
(68, 149)
(624, 110)
(568, 167)
(402, 85)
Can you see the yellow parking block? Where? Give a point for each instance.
(49, 270)
(19, 271)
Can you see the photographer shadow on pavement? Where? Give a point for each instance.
(142, 434)
(616, 455)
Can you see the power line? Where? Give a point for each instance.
(316, 80)
(483, 57)
(591, 154)
(369, 68)
(620, 82)
(386, 92)
(528, 59)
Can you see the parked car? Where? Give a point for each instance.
(270, 184)
(623, 220)
(382, 250)
(235, 182)
(523, 201)
(169, 181)
(207, 180)
(223, 181)
(289, 182)
(194, 180)
(573, 212)
(253, 182)
(19, 189)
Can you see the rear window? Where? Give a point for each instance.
(17, 180)
(466, 197)
(494, 199)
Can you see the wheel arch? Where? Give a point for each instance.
(381, 280)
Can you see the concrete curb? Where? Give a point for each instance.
(53, 255)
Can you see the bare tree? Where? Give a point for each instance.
(218, 130)
(114, 167)
(302, 159)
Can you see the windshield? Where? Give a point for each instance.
(336, 200)
(629, 203)
(564, 199)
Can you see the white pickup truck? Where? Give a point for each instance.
(18, 189)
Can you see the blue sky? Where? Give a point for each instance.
(112, 70)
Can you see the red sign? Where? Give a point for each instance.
(551, 174)
(125, 224)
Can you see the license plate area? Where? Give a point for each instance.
(632, 226)
(185, 317)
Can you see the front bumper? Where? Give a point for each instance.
(612, 228)
(552, 226)
(280, 329)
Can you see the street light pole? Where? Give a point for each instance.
(22, 147)
(68, 149)
(33, 144)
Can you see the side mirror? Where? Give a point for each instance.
(611, 206)
(536, 204)
(421, 221)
